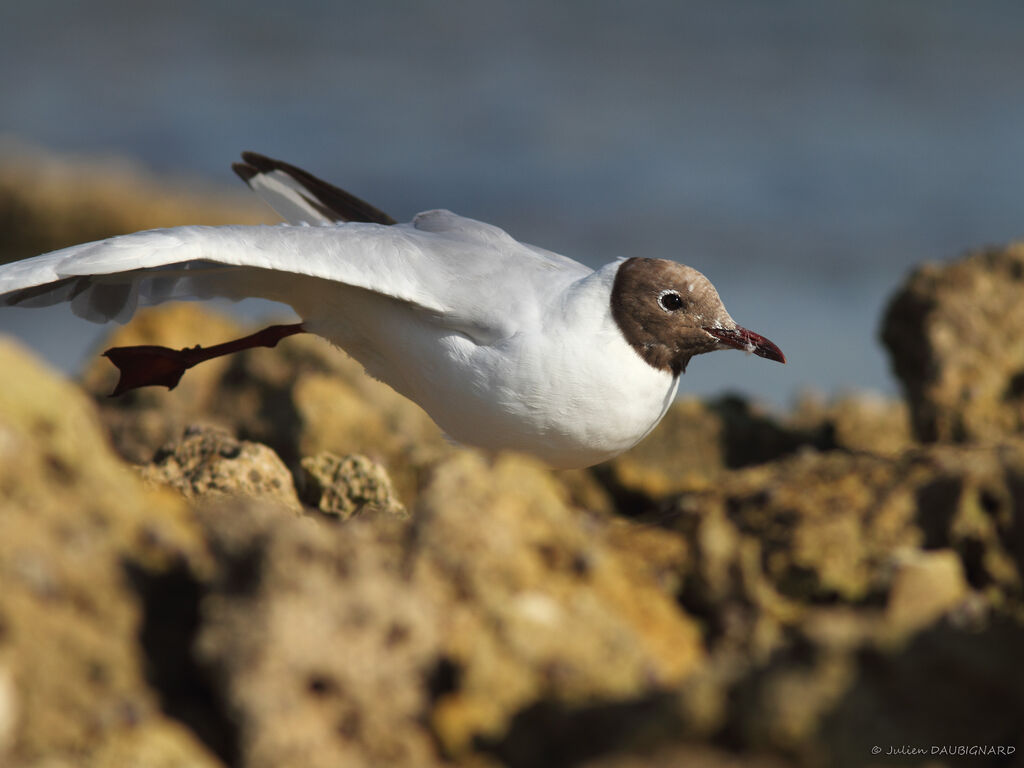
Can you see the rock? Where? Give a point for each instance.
(323, 640)
(586, 490)
(210, 461)
(79, 536)
(821, 524)
(683, 452)
(343, 487)
(955, 335)
(864, 423)
(784, 704)
(372, 642)
(696, 442)
(970, 499)
(696, 755)
(925, 586)
(501, 624)
(946, 688)
(344, 411)
(824, 527)
(557, 611)
(812, 573)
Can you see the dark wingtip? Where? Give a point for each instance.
(245, 172)
(261, 163)
(253, 164)
(334, 203)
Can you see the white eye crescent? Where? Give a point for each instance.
(670, 300)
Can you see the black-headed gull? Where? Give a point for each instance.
(505, 345)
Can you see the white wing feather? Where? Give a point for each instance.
(468, 274)
(288, 197)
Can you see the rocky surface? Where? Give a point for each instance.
(208, 462)
(385, 642)
(84, 547)
(814, 573)
(955, 333)
(282, 563)
(770, 606)
(345, 486)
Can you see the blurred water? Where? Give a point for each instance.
(803, 154)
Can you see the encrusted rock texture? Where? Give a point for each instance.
(955, 333)
(283, 563)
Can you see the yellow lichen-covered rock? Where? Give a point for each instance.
(212, 461)
(553, 608)
(840, 525)
(345, 411)
(925, 586)
(78, 533)
(342, 487)
(684, 452)
(322, 638)
(822, 522)
(697, 441)
(814, 572)
(863, 422)
(372, 641)
(955, 334)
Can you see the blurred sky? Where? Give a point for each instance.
(804, 154)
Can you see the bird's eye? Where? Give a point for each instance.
(670, 301)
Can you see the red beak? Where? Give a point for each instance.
(748, 341)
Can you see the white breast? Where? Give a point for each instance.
(567, 387)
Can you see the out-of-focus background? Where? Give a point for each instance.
(802, 154)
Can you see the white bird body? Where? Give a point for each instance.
(506, 346)
(561, 383)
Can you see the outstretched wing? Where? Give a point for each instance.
(300, 197)
(469, 275)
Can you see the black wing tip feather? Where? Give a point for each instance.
(334, 203)
(264, 164)
(245, 171)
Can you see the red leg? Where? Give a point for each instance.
(148, 365)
